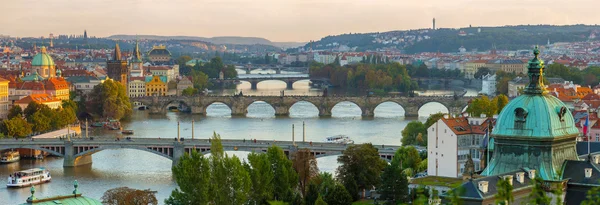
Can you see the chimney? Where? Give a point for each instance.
(483, 186)
(531, 174)
(495, 116)
(482, 115)
(446, 116)
(596, 159)
(508, 178)
(588, 172)
(521, 177)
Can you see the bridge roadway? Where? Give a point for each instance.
(78, 151)
(282, 104)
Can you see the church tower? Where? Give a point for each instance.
(117, 68)
(136, 64)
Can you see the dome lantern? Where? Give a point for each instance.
(535, 71)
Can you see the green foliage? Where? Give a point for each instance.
(325, 183)
(200, 80)
(320, 201)
(501, 101)
(189, 172)
(592, 197)
(362, 164)
(285, 177)
(339, 196)
(394, 184)
(422, 196)
(504, 195)
(14, 111)
(305, 164)
(481, 72)
(109, 100)
(407, 157)
(389, 77)
(538, 194)
(454, 196)
(432, 119)
(189, 91)
(312, 194)
(411, 131)
(278, 203)
(17, 127)
(261, 175)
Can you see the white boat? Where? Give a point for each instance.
(10, 156)
(29, 177)
(341, 139)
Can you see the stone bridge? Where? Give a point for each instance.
(282, 104)
(289, 81)
(78, 151)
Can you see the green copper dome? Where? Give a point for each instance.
(42, 59)
(535, 114)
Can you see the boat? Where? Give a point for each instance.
(27, 178)
(128, 132)
(10, 156)
(340, 139)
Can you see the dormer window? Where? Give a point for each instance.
(561, 113)
(520, 118)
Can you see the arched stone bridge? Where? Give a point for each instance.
(282, 104)
(79, 151)
(289, 81)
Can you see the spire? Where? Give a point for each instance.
(117, 53)
(535, 71)
(137, 57)
(32, 197)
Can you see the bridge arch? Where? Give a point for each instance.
(398, 107)
(208, 104)
(258, 103)
(58, 150)
(142, 148)
(306, 104)
(169, 104)
(361, 109)
(434, 107)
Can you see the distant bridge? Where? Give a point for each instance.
(79, 151)
(255, 79)
(282, 104)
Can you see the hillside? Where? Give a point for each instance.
(449, 40)
(215, 40)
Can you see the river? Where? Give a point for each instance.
(143, 170)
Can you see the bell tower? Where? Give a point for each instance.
(117, 67)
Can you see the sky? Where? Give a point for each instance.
(278, 20)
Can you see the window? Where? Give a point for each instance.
(520, 118)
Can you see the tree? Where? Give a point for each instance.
(482, 105)
(40, 122)
(189, 91)
(305, 165)
(191, 171)
(17, 127)
(261, 175)
(362, 164)
(538, 194)
(312, 194)
(454, 196)
(339, 196)
(325, 183)
(110, 100)
(199, 79)
(410, 132)
(31, 108)
(14, 111)
(481, 72)
(229, 182)
(320, 201)
(394, 184)
(501, 101)
(407, 158)
(285, 177)
(129, 196)
(592, 197)
(504, 195)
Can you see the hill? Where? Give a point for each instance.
(450, 40)
(215, 40)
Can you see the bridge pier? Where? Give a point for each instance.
(290, 85)
(411, 111)
(69, 160)
(324, 112)
(238, 109)
(282, 110)
(254, 85)
(178, 152)
(197, 109)
(278, 71)
(368, 112)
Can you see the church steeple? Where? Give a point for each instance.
(117, 53)
(137, 56)
(535, 71)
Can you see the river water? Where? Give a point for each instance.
(143, 170)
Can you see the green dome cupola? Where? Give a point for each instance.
(43, 64)
(535, 130)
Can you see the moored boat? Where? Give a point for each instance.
(28, 177)
(10, 156)
(341, 139)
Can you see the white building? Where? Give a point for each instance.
(488, 84)
(137, 88)
(451, 140)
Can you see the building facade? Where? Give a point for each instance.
(4, 101)
(488, 84)
(156, 85)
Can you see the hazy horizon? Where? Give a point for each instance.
(279, 21)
